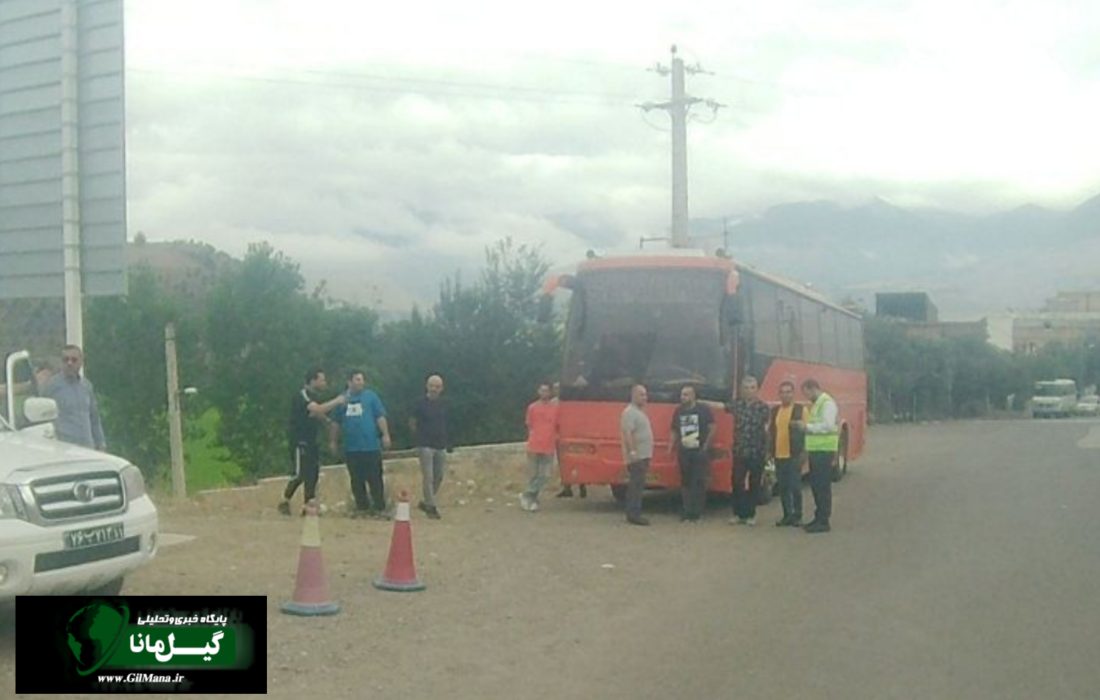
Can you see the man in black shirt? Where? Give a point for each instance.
(692, 434)
(433, 442)
(306, 415)
(750, 443)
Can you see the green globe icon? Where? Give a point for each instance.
(94, 632)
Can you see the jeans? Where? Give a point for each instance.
(305, 460)
(821, 481)
(694, 474)
(788, 471)
(366, 468)
(635, 487)
(433, 463)
(541, 466)
(747, 472)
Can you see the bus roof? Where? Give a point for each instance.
(658, 259)
(795, 287)
(697, 259)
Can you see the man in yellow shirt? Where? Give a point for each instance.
(788, 445)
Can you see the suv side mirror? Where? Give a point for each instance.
(39, 410)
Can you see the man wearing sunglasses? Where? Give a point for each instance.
(77, 409)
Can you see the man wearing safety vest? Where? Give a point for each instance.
(822, 440)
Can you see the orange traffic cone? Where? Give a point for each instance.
(400, 574)
(311, 590)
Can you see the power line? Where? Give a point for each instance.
(384, 84)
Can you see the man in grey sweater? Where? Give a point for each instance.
(637, 434)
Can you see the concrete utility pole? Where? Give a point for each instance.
(70, 175)
(679, 107)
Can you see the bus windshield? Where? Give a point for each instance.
(659, 327)
(1055, 389)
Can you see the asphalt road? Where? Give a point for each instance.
(963, 563)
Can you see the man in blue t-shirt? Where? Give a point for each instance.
(362, 419)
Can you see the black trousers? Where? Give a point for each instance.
(635, 487)
(305, 468)
(788, 470)
(694, 475)
(365, 468)
(821, 481)
(748, 470)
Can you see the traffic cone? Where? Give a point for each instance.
(400, 574)
(311, 589)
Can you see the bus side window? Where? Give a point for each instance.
(790, 325)
(765, 321)
(811, 330)
(830, 340)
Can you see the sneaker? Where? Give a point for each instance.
(566, 492)
(284, 508)
(785, 521)
(751, 522)
(737, 520)
(815, 528)
(433, 513)
(424, 507)
(525, 502)
(637, 520)
(534, 505)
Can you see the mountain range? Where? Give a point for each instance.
(971, 266)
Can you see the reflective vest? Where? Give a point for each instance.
(822, 442)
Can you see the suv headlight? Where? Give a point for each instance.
(133, 481)
(11, 503)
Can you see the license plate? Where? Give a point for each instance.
(92, 536)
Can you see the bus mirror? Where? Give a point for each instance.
(735, 310)
(546, 308)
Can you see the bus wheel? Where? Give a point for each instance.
(840, 467)
(618, 491)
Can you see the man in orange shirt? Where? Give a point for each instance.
(542, 438)
(787, 448)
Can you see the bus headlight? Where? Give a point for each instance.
(133, 481)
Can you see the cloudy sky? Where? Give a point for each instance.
(384, 145)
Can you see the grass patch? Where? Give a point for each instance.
(209, 465)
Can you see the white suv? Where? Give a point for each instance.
(72, 520)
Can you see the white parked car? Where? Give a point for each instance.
(72, 520)
(1088, 406)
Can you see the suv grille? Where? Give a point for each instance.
(78, 495)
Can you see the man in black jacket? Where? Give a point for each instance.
(433, 442)
(787, 448)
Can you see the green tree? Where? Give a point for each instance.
(262, 332)
(485, 340)
(125, 357)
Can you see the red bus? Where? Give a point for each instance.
(683, 317)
